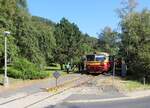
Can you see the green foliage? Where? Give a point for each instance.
(11, 47)
(108, 41)
(46, 41)
(33, 36)
(135, 42)
(22, 4)
(38, 41)
(68, 40)
(71, 43)
(24, 69)
(89, 44)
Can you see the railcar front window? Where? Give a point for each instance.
(100, 58)
(90, 57)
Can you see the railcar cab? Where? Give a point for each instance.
(97, 63)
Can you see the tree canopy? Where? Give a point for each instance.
(40, 40)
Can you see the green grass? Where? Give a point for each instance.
(135, 85)
(62, 73)
(51, 70)
(11, 80)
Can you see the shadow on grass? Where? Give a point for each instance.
(1, 71)
(1, 84)
(49, 69)
(53, 65)
(137, 79)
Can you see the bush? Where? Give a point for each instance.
(23, 69)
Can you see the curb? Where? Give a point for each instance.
(105, 100)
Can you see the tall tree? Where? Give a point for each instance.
(135, 28)
(128, 6)
(68, 41)
(108, 41)
(33, 36)
(46, 41)
(89, 44)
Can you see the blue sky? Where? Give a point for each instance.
(91, 16)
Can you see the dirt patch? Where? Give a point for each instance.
(110, 84)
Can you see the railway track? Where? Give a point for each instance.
(30, 94)
(46, 95)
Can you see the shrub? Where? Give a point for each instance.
(23, 69)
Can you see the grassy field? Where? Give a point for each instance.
(50, 69)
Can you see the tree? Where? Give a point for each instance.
(108, 41)
(7, 12)
(22, 4)
(128, 6)
(12, 48)
(39, 40)
(67, 40)
(135, 40)
(46, 41)
(33, 36)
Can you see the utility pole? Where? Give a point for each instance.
(6, 82)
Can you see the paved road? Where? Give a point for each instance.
(29, 96)
(95, 87)
(136, 103)
(37, 87)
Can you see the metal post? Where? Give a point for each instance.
(56, 82)
(6, 83)
(144, 81)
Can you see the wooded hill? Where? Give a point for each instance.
(39, 41)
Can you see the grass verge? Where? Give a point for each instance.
(130, 86)
(124, 85)
(14, 81)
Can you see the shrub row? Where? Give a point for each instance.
(23, 69)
